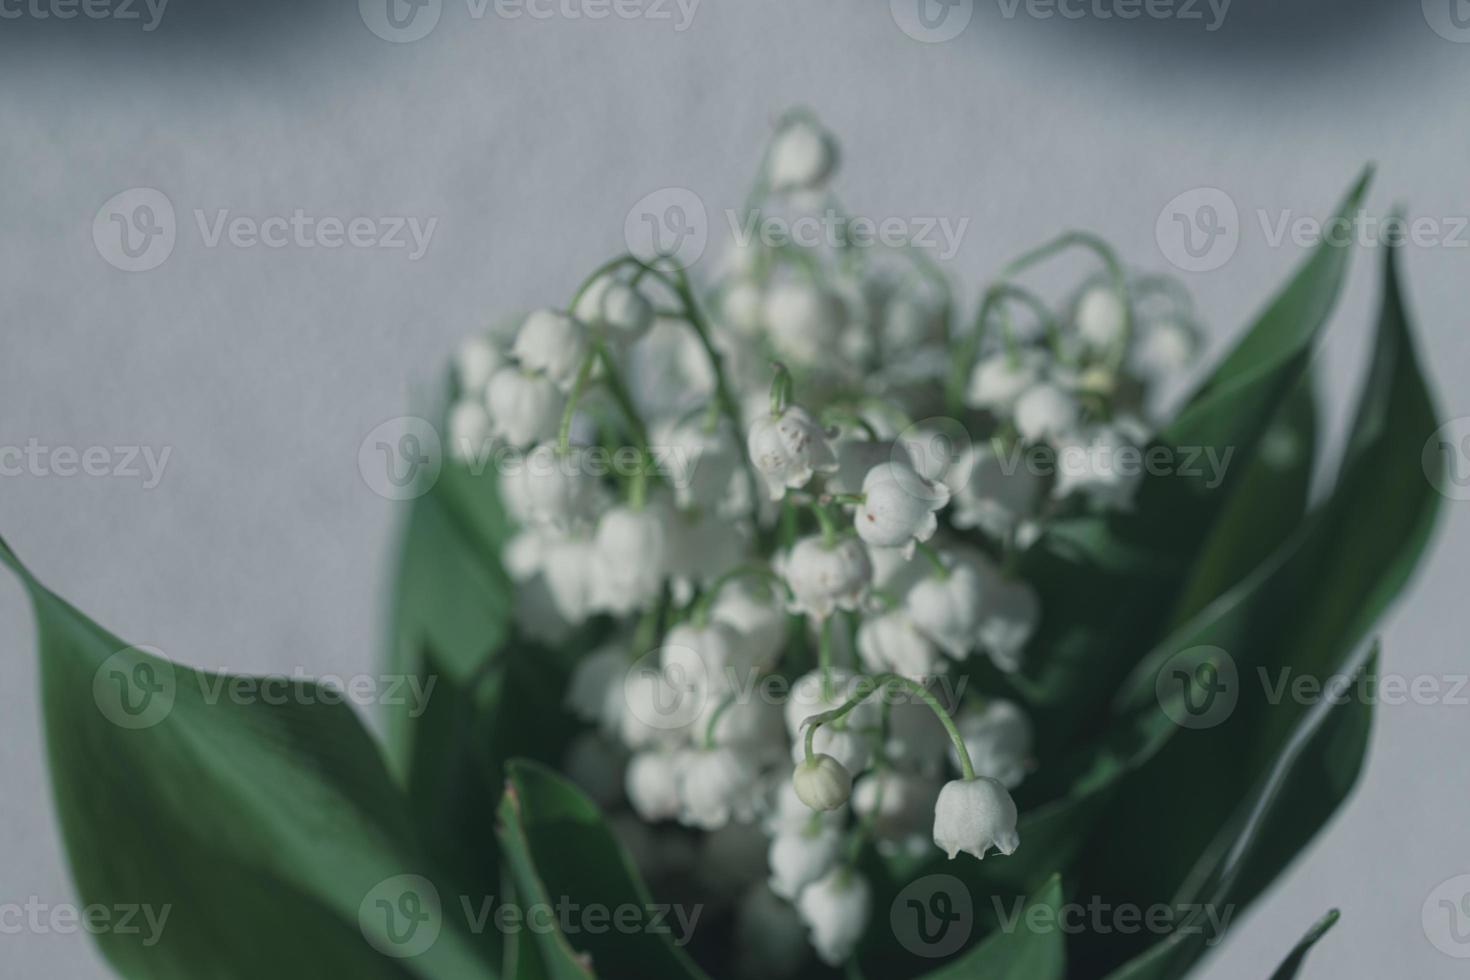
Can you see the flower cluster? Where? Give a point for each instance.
(806, 541)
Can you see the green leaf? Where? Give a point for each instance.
(1293, 963)
(1033, 948)
(560, 850)
(266, 823)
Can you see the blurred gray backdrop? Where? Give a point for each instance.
(529, 138)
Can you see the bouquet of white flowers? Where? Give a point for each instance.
(805, 585)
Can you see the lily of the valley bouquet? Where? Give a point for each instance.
(787, 622)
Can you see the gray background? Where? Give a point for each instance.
(263, 549)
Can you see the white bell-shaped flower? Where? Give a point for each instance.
(975, 815)
(804, 321)
(998, 738)
(836, 908)
(826, 577)
(552, 343)
(711, 655)
(1101, 318)
(549, 488)
(567, 565)
(1046, 411)
(891, 642)
(652, 784)
(474, 362)
(822, 782)
(758, 619)
(469, 431)
(659, 710)
(595, 691)
(717, 786)
(618, 310)
(1165, 350)
(788, 449)
(1101, 463)
(799, 857)
(948, 608)
(699, 459)
(630, 557)
(525, 408)
(802, 157)
(1010, 616)
(1001, 490)
(999, 379)
(898, 508)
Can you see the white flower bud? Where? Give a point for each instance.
(836, 908)
(974, 815)
(548, 488)
(469, 430)
(1166, 350)
(567, 566)
(891, 642)
(652, 784)
(1044, 412)
(524, 408)
(803, 155)
(998, 379)
(622, 312)
(804, 321)
(595, 691)
(710, 655)
(630, 558)
(948, 609)
(1101, 318)
(898, 507)
(552, 343)
(788, 449)
(998, 738)
(655, 711)
(824, 578)
(798, 858)
(475, 361)
(717, 786)
(822, 782)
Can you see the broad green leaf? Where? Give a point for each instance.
(1292, 965)
(264, 821)
(1031, 947)
(560, 851)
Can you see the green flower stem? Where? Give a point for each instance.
(927, 550)
(838, 415)
(1100, 248)
(584, 371)
(780, 389)
(873, 684)
(995, 295)
(828, 525)
(714, 719)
